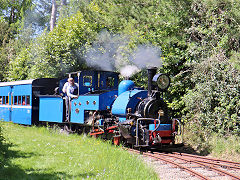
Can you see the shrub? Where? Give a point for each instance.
(213, 104)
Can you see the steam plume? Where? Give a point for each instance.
(111, 52)
(129, 70)
(106, 51)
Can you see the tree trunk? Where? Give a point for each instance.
(53, 15)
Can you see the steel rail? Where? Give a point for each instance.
(194, 173)
(204, 161)
(201, 163)
(207, 158)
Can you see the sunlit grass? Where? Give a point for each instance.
(40, 153)
(226, 147)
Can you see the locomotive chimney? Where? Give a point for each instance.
(151, 72)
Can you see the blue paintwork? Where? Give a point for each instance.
(101, 101)
(125, 85)
(99, 81)
(5, 108)
(51, 109)
(22, 114)
(128, 99)
(162, 127)
(122, 118)
(16, 112)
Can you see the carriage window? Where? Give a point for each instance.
(19, 100)
(87, 81)
(28, 100)
(0, 99)
(3, 100)
(15, 100)
(23, 100)
(7, 99)
(110, 82)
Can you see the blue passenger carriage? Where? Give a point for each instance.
(19, 99)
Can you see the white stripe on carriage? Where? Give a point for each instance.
(16, 82)
(25, 107)
(16, 106)
(5, 106)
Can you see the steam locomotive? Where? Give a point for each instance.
(104, 107)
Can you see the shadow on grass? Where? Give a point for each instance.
(200, 150)
(10, 171)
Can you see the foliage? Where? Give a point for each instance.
(11, 16)
(5, 36)
(212, 28)
(220, 146)
(55, 53)
(3, 147)
(37, 17)
(14, 11)
(1, 137)
(213, 104)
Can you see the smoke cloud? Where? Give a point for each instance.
(105, 52)
(111, 53)
(147, 56)
(129, 70)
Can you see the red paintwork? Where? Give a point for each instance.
(97, 132)
(116, 140)
(166, 141)
(162, 134)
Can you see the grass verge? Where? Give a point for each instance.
(214, 145)
(40, 153)
(225, 147)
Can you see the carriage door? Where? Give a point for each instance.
(5, 106)
(21, 110)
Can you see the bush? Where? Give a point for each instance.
(1, 136)
(2, 148)
(213, 104)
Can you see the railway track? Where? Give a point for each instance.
(198, 166)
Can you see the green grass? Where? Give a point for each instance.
(225, 147)
(212, 144)
(40, 153)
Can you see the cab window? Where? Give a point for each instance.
(110, 82)
(87, 81)
(0, 99)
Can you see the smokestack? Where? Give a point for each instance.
(151, 72)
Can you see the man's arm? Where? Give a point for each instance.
(69, 94)
(64, 89)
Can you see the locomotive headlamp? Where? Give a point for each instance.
(162, 81)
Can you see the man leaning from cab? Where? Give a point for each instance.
(71, 89)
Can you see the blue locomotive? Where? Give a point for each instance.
(104, 107)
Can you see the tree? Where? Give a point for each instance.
(53, 15)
